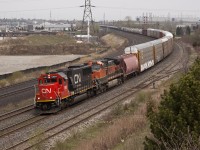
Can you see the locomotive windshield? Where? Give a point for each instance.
(48, 79)
(96, 67)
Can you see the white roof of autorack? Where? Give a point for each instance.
(135, 48)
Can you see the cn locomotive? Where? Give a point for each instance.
(56, 90)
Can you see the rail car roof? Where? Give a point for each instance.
(166, 33)
(151, 29)
(144, 45)
(135, 48)
(131, 49)
(169, 35)
(158, 41)
(164, 39)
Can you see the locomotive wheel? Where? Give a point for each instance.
(119, 81)
(63, 104)
(123, 79)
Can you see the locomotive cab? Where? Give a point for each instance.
(52, 88)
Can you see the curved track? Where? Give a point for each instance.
(53, 126)
(16, 112)
(25, 90)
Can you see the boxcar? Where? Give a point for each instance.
(145, 55)
(158, 50)
(165, 46)
(150, 32)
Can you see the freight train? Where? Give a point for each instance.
(56, 90)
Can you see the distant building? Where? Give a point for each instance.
(154, 18)
(84, 38)
(3, 28)
(54, 27)
(30, 27)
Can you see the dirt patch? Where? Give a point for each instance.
(44, 45)
(113, 41)
(58, 49)
(57, 45)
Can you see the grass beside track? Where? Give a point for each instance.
(14, 106)
(125, 127)
(40, 40)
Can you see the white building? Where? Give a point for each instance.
(54, 27)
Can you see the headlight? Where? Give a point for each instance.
(38, 98)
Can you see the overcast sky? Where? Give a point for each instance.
(113, 9)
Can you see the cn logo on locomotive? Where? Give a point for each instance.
(45, 91)
(77, 78)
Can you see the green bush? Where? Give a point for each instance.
(178, 115)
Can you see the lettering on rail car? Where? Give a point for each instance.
(147, 65)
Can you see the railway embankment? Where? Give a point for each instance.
(126, 125)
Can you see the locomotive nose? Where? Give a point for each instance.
(48, 92)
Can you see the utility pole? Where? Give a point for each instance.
(87, 13)
(50, 15)
(104, 18)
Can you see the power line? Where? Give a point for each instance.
(146, 9)
(44, 9)
(105, 7)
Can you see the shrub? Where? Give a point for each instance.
(179, 112)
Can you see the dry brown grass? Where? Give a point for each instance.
(12, 106)
(119, 130)
(124, 121)
(113, 41)
(125, 128)
(18, 77)
(3, 83)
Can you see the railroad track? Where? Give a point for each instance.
(91, 112)
(159, 74)
(12, 88)
(25, 90)
(16, 112)
(80, 118)
(18, 126)
(16, 92)
(170, 68)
